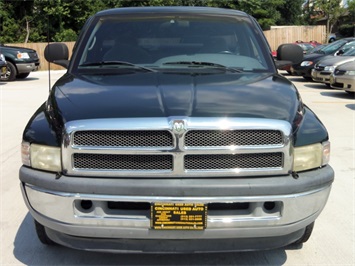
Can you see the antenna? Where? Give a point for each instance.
(49, 63)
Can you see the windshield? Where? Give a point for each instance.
(350, 51)
(174, 42)
(332, 48)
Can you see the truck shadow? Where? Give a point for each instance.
(29, 251)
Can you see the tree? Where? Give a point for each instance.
(331, 10)
(265, 11)
(291, 13)
(62, 20)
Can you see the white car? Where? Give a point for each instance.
(343, 78)
(324, 68)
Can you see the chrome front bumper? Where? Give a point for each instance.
(343, 82)
(26, 67)
(320, 76)
(69, 219)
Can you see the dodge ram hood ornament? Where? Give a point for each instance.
(179, 126)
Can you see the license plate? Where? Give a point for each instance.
(178, 216)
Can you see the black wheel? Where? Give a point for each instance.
(42, 235)
(22, 75)
(306, 235)
(331, 40)
(10, 74)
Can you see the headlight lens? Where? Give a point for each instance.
(23, 55)
(329, 68)
(350, 73)
(311, 156)
(41, 157)
(306, 63)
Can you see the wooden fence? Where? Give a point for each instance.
(290, 34)
(275, 37)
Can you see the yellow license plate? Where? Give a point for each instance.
(178, 216)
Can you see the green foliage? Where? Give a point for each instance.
(347, 30)
(291, 13)
(331, 10)
(62, 20)
(66, 35)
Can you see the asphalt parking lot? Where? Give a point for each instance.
(332, 241)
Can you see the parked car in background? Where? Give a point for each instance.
(343, 78)
(304, 68)
(324, 68)
(306, 46)
(20, 62)
(316, 48)
(3, 64)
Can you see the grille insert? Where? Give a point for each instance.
(122, 162)
(128, 138)
(152, 147)
(233, 161)
(210, 138)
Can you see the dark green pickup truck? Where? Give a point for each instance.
(172, 131)
(20, 62)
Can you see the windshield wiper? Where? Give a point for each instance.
(117, 63)
(204, 64)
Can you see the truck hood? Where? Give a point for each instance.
(164, 94)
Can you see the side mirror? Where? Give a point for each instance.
(57, 53)
(340, 52)
(288, 54)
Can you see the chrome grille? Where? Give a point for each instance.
(124, 138)
(122, 162)
(211, 138)
(177, 147)
(233, 161)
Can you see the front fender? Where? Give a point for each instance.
(42, 130)
(311, 130)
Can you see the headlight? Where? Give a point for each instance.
(22, 55)
(306, 63)
(311, 156)
(350, 73)
(41, 157)
(329, 68)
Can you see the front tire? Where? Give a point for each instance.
(10, 74)
(42, 234)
